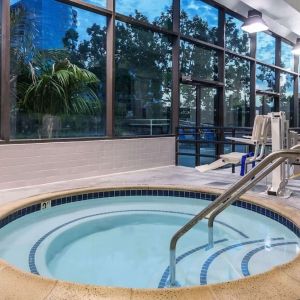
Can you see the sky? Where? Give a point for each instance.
(148, 8)
(265, 48)
(266, 43)
(197, 7)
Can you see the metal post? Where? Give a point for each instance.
(175, 67)
(5, 70)
(110, 71)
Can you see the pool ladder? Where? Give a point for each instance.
(227, 198)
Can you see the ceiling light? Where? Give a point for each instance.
(254, 23)
(296, 49)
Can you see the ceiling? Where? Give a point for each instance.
(282, 16)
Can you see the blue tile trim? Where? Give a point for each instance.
(164, 279)
(32, 253)
(151, 192)
(19, 213)
(249, 255)
(209, 261)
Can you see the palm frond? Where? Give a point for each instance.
(62, 88)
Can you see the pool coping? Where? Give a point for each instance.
(282, 282)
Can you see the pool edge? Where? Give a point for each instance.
(282, 282)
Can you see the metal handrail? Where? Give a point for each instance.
(229, 196)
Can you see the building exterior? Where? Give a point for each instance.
(46, 21)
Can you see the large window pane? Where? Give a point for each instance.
(187, 110)
(286, 94)
(237, 92)
(1, 3)
(143, 81)
(57, 70)
(101, 3)
(287, 57)
(265, 78)
(208, 100)
(236, 40)
(198, 62)
(265, 48)
(264, 104)
(158, 13)
(199, 20)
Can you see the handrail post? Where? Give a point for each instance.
(171, 269)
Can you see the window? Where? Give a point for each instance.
(101, 3)
(237, 92)
(143, 81)
(158, 13)
(57, 71)
(199, 20)
(287, 57)
(198, 62)
(264, 104)
(187, 110)
(265, 78)
(286, 94)
(236, 40)
(0, 61)
(265, 48)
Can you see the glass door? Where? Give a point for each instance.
(206, 149)
(187, 122)
(198, 108)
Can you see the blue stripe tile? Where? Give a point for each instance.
(149, 192)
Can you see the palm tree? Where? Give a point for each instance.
(63, 89)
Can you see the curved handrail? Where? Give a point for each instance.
(241, 191)
(236, 190)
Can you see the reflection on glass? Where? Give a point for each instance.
(57, 70)
(264, 104)
(236, 39)
(209, 156)
(208, 102)
(199, 20)
(187, 110)
(198, 62)
(187, 161)
(143, 81)
(265, 78)
(286, 94)
(101, 3)
(158, 13)
(237, 92)
(287, 57)
(0, 59)
(265, 48)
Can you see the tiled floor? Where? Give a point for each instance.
(171, 175)
(280, 283)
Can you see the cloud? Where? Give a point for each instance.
(86, 19)
(265, 48)
(204, 11)
(148, 8)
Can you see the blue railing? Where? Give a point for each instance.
(205, 144)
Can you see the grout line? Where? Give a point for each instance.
(50, 292)
(82, 178)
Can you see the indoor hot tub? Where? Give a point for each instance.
(121, 237)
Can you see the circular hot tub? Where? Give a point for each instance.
(121, 237)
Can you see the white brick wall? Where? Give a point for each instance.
(30, 164)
